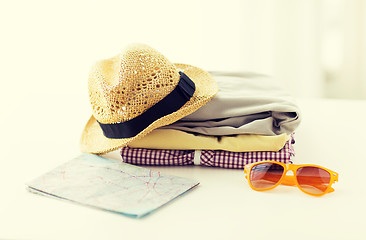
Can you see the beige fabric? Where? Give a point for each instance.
(123, 87)
(176, 139)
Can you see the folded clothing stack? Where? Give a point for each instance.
(252, 118)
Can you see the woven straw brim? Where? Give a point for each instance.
(93, 140)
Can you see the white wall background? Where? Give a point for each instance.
(315, 47)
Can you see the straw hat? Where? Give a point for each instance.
(138, 91)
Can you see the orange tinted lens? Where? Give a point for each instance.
(313, 180)
(265, 175)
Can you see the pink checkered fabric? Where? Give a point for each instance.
(212, 158)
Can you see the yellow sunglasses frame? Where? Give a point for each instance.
(291, 180)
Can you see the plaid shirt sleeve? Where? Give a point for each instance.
(212, 158)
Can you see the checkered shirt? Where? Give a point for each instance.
(212, 158)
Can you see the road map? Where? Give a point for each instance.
(111, 185)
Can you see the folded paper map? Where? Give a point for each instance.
(111, 185)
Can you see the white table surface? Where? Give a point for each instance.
(41, 131)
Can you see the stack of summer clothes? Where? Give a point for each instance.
(251, 119)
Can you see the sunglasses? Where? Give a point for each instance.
(311, 179)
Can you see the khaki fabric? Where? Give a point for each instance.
(176, 139)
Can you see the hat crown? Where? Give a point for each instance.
(125, 86)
